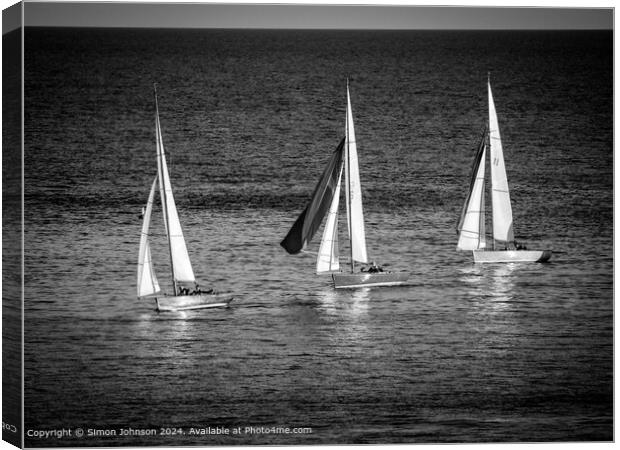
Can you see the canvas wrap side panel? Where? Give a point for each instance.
(12, 227)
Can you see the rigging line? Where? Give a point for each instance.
(155, 234)
(476, 233)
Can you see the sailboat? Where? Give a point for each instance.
(186, 293)
(471, 228)
(325, 202)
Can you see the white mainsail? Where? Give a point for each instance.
(500, 196)
(472, 231)
(182, 267)
(354, 191)
(328, 258)
(147, 280)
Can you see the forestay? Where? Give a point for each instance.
(147, 280)
(471, 227)
(500, 196)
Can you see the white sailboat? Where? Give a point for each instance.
(325, 201)
(471, 227)
(186, 294)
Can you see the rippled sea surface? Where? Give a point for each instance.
(465, 353)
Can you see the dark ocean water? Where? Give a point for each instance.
(466, 353)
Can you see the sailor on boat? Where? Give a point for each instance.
(374, 268)
(520, 246)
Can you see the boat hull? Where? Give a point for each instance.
(365, 279)
(497, 256)
(188, 302)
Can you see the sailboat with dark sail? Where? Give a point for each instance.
(325, 202)
(471, 227)
(186, 293)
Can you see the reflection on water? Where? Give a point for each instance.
(503, 282)
(349, 309)
(348, 303)
(170, 330)
(490, 286)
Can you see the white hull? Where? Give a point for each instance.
(498, 256)
(188, 302)
(365, 279)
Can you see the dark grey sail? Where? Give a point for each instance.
(310, 219)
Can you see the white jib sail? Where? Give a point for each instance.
(500, 196)
(182, 267)
(471, 236)
(147, 280)
(354, 191)
(328, 258)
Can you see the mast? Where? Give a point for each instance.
(488, 138)
(500, 192)
(162, 188)
(349, 190)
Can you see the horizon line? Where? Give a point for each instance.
(309, 28)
